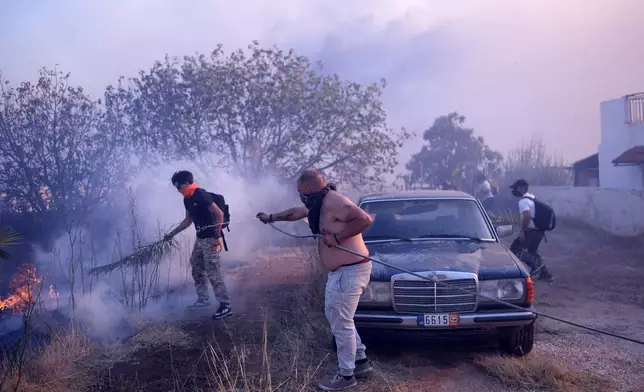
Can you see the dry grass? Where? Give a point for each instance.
(505, 217)
(282, 351)
(62, 365)
(294, 338)
(285, 361)
(284, 348)
(161, 336)
(541, 374)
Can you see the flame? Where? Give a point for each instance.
(53, 293)
(22, 284)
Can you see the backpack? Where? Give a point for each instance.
(221, 203)
(544, 216)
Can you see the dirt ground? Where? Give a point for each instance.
(599, 281)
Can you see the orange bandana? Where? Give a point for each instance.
(189, 190)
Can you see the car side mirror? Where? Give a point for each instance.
(504, 230)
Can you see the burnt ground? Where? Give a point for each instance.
(599, 281)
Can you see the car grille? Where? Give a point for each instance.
(420, 296)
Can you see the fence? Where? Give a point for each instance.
(617, 211)
(635, 109)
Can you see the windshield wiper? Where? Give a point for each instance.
(465, 237)
(387, 237)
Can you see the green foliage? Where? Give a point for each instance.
(263, 111)
(452, 153)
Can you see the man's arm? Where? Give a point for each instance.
(525, 220)
(218, 214)
(526, 217)
(355, 218)
(187, 221)
(291, 214)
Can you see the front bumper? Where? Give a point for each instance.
(372, 319)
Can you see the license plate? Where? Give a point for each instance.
(439, 320)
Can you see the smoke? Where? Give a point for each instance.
(514, 68)
(113, 306)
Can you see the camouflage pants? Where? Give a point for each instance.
(205, 262)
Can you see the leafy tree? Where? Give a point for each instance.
(59, 150)
(263, 111)
(452, 153)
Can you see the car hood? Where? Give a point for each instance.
(489, 260)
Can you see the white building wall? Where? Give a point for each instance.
(616, 137)
(617, 211)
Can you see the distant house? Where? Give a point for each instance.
(621, 150)
(586, 171)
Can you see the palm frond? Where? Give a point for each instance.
(8, 238)
(146, 254)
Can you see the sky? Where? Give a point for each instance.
(514, 68)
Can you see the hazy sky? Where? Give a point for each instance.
(514, 68)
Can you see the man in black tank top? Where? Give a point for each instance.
(205, 259)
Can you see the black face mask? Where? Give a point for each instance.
(516, 193)
(311, 199)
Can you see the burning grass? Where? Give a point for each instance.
(541, 374)
(281, 346)
(278, 342)
(24, 286)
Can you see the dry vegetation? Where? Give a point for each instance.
(279, 343)
(542, 374)
(278, 340)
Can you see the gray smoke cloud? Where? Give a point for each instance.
(102, 306)
(515, 69)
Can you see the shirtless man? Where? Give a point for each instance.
(341, 222)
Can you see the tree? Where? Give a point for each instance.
(452, 153)
(59, 150)
(265, 111)
(533, 163)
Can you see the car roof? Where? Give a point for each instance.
(416, 194)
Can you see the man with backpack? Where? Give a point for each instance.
(536, 218)
(208, 212)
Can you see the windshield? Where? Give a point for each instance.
(435, 218)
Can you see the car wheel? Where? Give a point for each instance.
(518, 341)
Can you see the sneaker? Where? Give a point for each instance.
(363, 368)
(200, 304)
(223, 312)
(337, 383)
(547, 276)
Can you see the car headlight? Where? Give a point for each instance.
(503, 289)
(376, 292)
